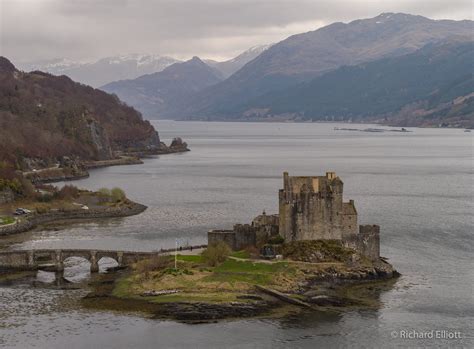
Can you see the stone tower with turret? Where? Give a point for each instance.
(312, 208)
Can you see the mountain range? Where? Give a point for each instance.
(104, 70)
(394, 68)
(306, 56)
(227, 68)
(434, 84)
(154, 93)
(126, 67)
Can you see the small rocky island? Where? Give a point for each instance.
(312, 256)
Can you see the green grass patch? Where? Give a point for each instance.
(123, 287)
(232, 265)
(247, 271)
(190, 258)
(6, 220)
(241, 254)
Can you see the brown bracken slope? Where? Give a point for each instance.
(45, 116)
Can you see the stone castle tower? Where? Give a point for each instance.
(312, 208)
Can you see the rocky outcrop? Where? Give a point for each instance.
(100, 140)
(177, 146)
(198, 312)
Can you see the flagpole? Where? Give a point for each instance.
(176, 256)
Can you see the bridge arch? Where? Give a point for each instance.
(76, 268)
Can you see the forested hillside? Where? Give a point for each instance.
(44, 116)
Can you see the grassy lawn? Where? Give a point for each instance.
(197, 282)
(6, 220)
(190, 258)
(241, 254)
(250, 272)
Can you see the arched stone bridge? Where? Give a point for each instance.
(35, 259)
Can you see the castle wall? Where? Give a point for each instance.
(244, 236)
(226, 236)
(349, 221)
(368, 241)
(311, 208)
(266, 226)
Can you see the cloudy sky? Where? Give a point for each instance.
(32, 30)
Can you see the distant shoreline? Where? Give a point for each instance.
(291, 121)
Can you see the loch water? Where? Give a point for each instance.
(418, 186)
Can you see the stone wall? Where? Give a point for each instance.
(226, 236)
(14, 259)
(242, 236)
(245, 236)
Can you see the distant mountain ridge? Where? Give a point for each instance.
(431, 86)
(105, 70)
(153, 93)
(305, 56)
(229, 67)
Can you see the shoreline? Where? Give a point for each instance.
(65, 174)
(334, 295)
(30, 222)
(290, 121)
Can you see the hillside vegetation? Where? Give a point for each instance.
(433, 85)
(44, 116)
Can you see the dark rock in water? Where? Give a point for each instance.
(178, 144)
(198, 312)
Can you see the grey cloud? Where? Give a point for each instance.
(79, 29)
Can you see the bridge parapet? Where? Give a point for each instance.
(33, 259)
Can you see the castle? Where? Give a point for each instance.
(310, 208)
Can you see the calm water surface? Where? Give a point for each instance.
(418, 186)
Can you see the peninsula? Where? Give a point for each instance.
(46, 204)
(54, 129)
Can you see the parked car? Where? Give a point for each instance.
(21, 211)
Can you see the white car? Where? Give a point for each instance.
(21, 211)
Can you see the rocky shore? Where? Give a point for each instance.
(73, 169)
(32, 220)
(243, 288)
